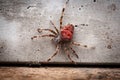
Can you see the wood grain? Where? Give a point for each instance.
(24, 73)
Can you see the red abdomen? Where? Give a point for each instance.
(67, 32)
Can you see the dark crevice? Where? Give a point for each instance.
(55, 64)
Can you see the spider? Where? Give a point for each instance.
(62, 38)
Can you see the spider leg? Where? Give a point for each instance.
(54, 26)
(57, 50)
(78, 44)
(74, 52)
(47, 35)
(62, 14)
(75, 43)
(68, 54)
(50, 30)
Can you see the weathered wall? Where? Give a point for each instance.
(98, 26)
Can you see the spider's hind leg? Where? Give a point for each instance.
(57, 50)
(74, 52)
(78, 44)
(68, 54)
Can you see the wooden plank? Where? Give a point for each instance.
(24, 73)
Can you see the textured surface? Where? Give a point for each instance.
(97, 26)
(22, 73)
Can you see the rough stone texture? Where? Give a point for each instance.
(97, 26)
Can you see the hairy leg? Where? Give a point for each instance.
(74, 52)
(57, 50)
(50, 30)
(54, 26)
(62, 14)
(68, 54)
(47, 35)
(77, 44)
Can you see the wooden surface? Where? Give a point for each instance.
(24, 73)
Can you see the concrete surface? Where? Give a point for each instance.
(98, 26)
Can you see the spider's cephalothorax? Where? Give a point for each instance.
(62, 37)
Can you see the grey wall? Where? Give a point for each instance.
(97, 27)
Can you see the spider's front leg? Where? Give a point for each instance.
(54, 27)
(56, 51)
(50, 30)
(62, 14)
(47, 35)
